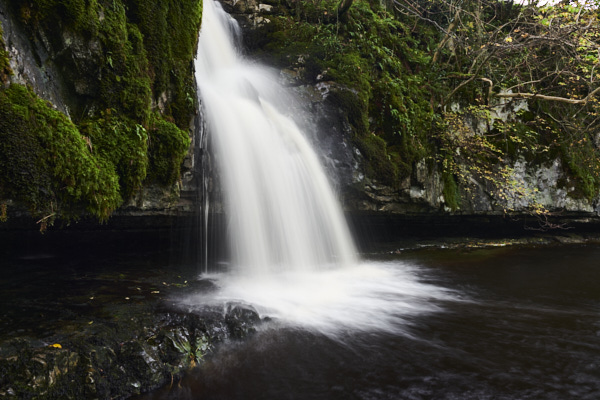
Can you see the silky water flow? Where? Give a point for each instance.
(293, 257)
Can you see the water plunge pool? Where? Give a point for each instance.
(493, 323)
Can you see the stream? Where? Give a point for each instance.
(497, 323)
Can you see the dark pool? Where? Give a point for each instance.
(524, 323)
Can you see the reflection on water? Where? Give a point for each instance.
(508, 323)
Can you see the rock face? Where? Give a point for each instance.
(96, 321)
(250, 14)
(545, 185)
(31, 64)
(103, 363)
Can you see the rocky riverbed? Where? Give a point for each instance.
(100, 320)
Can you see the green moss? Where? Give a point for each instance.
(450, 191)
(125, 83)
(5, 70)
(379, 164)
(122, 143)
(168, 147)
(74, 13)
(140, 50)
(382, 65)
(147, 50)
(355, 109)
(47, 164)
(170, 31)
(582, 159)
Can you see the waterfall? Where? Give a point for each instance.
(282, 213)
(288, 236)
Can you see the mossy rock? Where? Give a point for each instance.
(119, 58)
(47, 164)
(374, 55)
(5, 70)
(168, 147)
(123, 143)
(379, 163)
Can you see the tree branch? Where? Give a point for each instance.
(442, 44)
(549, 98)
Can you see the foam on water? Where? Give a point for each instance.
(371, 296)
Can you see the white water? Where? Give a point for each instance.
(293, 256)
(370, 297)
(283, 213)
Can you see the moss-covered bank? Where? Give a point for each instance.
(128, 67)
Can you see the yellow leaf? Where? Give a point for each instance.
(56, 346)
(508, 39)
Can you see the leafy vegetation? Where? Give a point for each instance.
(540, 59)
(473, 87)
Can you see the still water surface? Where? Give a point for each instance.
(501, 323)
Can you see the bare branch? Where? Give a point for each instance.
(491, 83)
(467, 81)
(442, 44)
(549, 98)
(416, 13)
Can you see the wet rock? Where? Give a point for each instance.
(118, 358)
(241, 319)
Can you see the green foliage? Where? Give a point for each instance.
(469, 156)
(399, 72)
(168, 147)
(47, 164)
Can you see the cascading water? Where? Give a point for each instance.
(283, 213)
(292, 253)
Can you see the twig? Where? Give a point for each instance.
(45, 218)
